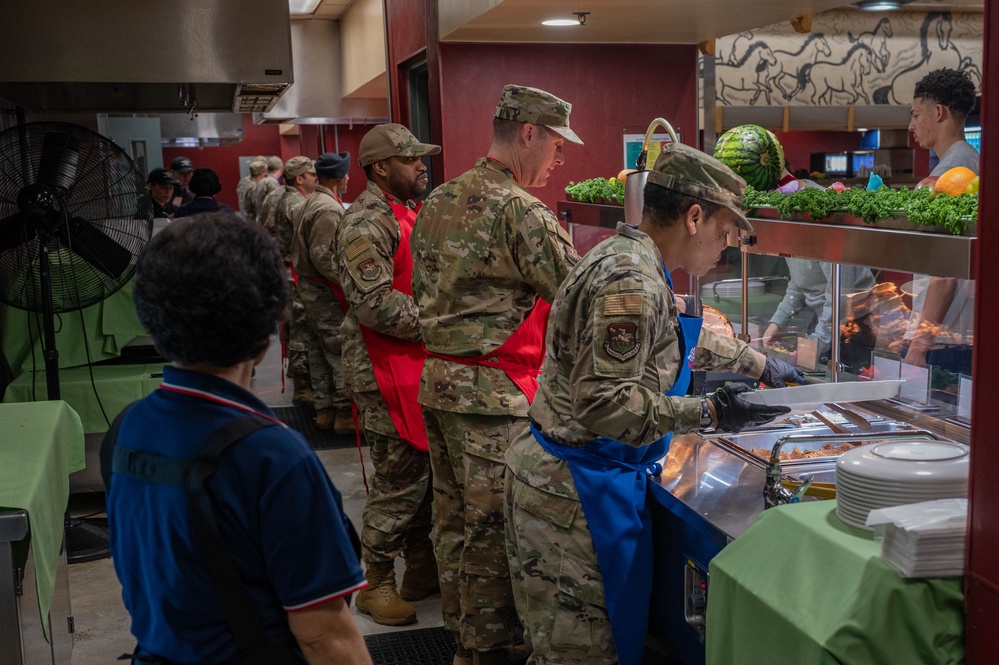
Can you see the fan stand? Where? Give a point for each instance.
(85, 539)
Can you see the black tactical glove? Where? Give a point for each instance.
(735, 413)
(778, 373)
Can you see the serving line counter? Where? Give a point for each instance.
(40, 446)
(795, 584)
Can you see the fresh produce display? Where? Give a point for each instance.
(754, 153)
(954, 182)
(921, 206)
(597, 190)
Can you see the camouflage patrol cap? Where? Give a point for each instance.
(689, 171)
(296, 166)
(257, 167)
(391, 140)
(524, 104)
(274, 163)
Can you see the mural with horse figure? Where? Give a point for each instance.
(849, 58)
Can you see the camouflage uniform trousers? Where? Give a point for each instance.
(323, 317)
(466, 452)
(397, 514)
(298, 336)
(557, 584)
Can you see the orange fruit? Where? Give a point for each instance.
(954, 182)
(623, 175)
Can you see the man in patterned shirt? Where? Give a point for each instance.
(382, 360)
(488, 258)
(612, 392)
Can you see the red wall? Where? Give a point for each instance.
(257, 140)
(611, 87)
(266, 140)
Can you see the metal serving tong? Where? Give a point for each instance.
(852, 416)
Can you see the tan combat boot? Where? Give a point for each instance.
(324, 418)
(420, 579)
(344, 422)
(462, 656)
(380, 599)
(303, 394)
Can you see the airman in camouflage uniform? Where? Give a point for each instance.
(246, 189)
(614, 350)
(484, 251)
(397, 515)
(277, 211)
(315, 224)
(267, 184)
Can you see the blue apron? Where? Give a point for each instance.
(611, 480)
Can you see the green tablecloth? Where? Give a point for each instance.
(801, 587)
(40, 445)
(105, 327)
(114, 387)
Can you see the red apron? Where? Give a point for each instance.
(521, 355)
(398, 363)
(334, 288)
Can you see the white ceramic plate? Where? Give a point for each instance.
(817, 394)
(915, 461)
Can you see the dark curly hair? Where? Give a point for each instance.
(210, 289)
(205, 182)
(663, 206)
(950, 88)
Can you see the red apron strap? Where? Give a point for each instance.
(521, 355)
(398, 363)
(335, 289)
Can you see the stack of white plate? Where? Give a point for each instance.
(897, 472)
(732, 289)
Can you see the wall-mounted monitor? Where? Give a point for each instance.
(862, 160)
(871, 139)
(836, 163)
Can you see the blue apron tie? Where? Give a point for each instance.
(611, 480)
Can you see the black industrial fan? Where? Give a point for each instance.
(69, 236)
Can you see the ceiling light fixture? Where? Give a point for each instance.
(880, 5)
(567, 22)
(301, 7)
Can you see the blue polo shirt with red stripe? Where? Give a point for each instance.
(279, 513)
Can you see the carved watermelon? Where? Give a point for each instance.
(754, 153)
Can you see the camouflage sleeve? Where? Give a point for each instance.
(366, 254)
(543, 250)
(619, 347)
(320, 242)
(718, 352)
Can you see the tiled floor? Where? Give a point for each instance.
(102, 624)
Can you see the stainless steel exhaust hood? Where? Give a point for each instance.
(108, 56)
(317, 96)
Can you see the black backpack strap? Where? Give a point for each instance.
(244, 624)
(108, 444)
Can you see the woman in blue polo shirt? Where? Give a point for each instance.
(210, 290)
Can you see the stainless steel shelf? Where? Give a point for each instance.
(935, 254)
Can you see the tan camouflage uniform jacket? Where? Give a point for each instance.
(277, 212)
(613, 353)
(315, 225)
(483, 249)
(244, 185)
(266, 185)
(365, 247)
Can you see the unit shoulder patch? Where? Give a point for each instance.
(622, 341)
(370, 271)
